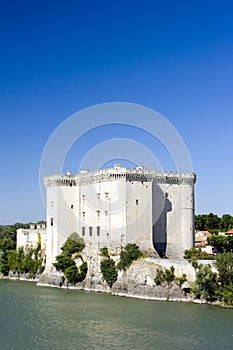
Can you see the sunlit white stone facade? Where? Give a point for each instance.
(116, 206)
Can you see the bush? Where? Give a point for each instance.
(206, 284)
(65, 262)
(104, 252)
(128, 254)
(109, 271)
(26, 261)
(75, 275)
(166, 276)
(73, 244)
(189, 254)
(181, 280)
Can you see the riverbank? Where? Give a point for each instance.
(138, 281)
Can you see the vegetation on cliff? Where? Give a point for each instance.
(128, 254)
(215, 285)
(167, 276)
(65, 262)
(29, 260)
(108, 266)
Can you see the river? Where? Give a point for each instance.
(48, 318)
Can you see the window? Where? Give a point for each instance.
(83, 231)
(90, 230)
(166, 194)
(98, 230)
(72, 206)
(137, 202)
(51, 221)
(106, 213)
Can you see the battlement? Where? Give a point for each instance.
(119, 173)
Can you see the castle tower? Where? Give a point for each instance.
(116, 206)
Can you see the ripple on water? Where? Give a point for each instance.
(48, 318)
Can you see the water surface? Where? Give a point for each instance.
(48, 318)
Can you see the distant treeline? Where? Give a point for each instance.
(213, 223)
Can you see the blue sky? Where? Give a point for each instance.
(58, 57)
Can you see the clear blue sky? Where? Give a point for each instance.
(58, 57)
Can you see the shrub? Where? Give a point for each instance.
(166, 276)
(206, 284)
(189, 254)
(75, 275)
(181, 280)
(73, 244)
(109, 271)
(104, 252)
(128, 254)
(65, 262)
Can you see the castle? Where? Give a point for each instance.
(116, 206)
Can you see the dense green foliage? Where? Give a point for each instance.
(206, 284)
(73, 244)
(166, 276)
(215, 286)
(104, 252)
(128, 254)
(212, 223)
(8, 243)
(65, 262)
(30, 260)
(75, 275)
(109, 271)
(198, 254)
(222, 244)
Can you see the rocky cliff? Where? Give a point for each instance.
(136, 281)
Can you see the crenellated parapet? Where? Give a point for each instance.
(120, 174)
(175, 178)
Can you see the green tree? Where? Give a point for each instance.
(74, 274)
(212, 222)
(206, 284)
(128, 254)
(224, 265)
(200, 222)
(104, 252)
(226, 223)
(222, 244)
(65, 262)
(73, 244)
(109, 271)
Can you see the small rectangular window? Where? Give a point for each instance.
(98, 230)
(137, 202)
(83, 231)
(106, 213)
(90, 230)
(72, 206)
(51, 221)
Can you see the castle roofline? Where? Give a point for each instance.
(133, 174)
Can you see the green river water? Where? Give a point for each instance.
(48, 318)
